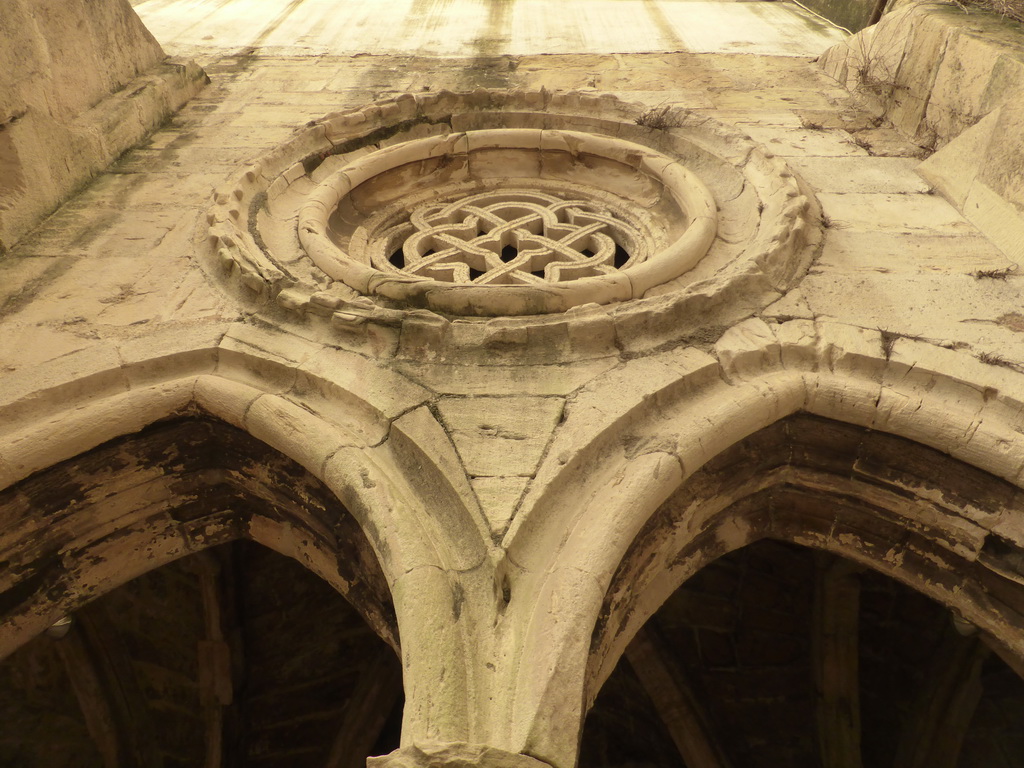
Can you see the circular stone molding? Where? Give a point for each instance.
(514, 206)
(508, 221)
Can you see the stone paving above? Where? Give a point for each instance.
(468, 28)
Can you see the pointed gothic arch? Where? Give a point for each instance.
(895, 506)
(790, 655)
(89, 524)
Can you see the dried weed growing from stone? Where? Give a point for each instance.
(994, 274)
(1008, 9)
(990, 358)
(659, 118)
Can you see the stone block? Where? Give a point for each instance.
(772, 99)
(380, 390)
(224, 399)
(418, 441)
(926, 44)
(953, 168)
(893, 213)
(886, 175)
(907, 253)
(998, 218)
(499, 436)
(1002, 168)
(560, 379)
(748, 350)
(453, 755)
(285, 425)
(499, 498)
(801, 142)
(262, 360)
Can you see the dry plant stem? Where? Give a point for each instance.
(658, 118)
(994, 274)
(1010, 9)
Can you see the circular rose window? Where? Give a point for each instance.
(552, 218)
(463, 216)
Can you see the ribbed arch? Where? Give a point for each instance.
(89, 524)
(887, 503)
(366, 434)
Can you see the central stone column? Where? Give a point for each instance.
(453, 755)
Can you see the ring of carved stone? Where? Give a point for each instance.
(690, 204)
(769, 229)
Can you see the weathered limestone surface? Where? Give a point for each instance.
(953, 82)
(853, 16)
(524, 27)
(453, 756)
(81, 82)
(531, 489)
(979, 172)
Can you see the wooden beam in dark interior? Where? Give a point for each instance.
(112, 702)
(668, 686)
(93, 699)
(372, 701)
(943, 709)
(835, 652)
(220, 657)
(216, 688)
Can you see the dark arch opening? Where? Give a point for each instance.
(180, 621)
(776, 654)
(237, 650)
(909, 511)
(900, 514)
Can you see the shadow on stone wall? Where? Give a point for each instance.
(81, 81)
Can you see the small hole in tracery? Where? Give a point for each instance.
(509, 252)
(587, 252)
(474, 273)
(539, 273)
(397, 259)
(621, 256)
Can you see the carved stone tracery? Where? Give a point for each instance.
(507, 237)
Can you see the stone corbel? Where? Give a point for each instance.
(457, 754)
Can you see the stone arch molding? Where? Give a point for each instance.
(894, 506)
(329, 411)
(365, 443)
(570, 547)
(497, 637)
(92, 523)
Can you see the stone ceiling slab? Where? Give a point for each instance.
(468, 28)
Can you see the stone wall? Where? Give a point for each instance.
(953, 81)
(853, 15)
(81, 81)
(178, 372)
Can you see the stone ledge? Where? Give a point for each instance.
(954, 81)
(981, 172)
(931, 69)
(93, 139)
